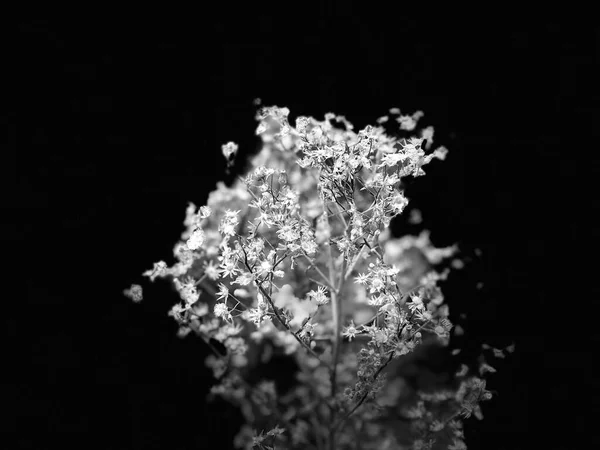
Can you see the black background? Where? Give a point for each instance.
(118, 122)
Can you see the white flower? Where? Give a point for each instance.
(218, 365)
(134, 293)
(236, 345)
(228, 269)
(222, 311)
(196, 239)
(409, 123)
(378, 300)
(265, 267)
(284, 297)
(427, 135)
(205, 212)
(391, 159)
(381, 337)
(415, 217)
(309, 245)
(255, 315)
(393, 271)
(350, 331)
(262, 304)
(416, 299)
(377, 284)
(399, 203)
(440, 330)
(362, 278)
(244, 279)
(223, 292)
(187, 291)
(276, 431)
(159, 270)
(200, 309)
(288, 233)
(211, 271)
(229, 223)
(319, 295)
(302, 124)
(416, 304)
(229, 149)
(426, 315)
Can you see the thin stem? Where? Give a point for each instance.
(357, 258)
(207, 287)
(337, 314)
(326, 279)
(363, 398)
(370, 320)
(281, 321)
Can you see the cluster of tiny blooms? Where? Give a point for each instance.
(296, 259)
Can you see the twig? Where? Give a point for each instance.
(326, 279)
(363, 398)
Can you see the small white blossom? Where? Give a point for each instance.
(134, 293)
(409, 123)
(205, 212)
(223, 292)
(159, 270)
(229, 149)
(276, 431)
(381, 337)
(377, 284)
(196, 239)
(200, 309)
(176, 311)
(183, 331)
(244, 279)
(187, 291)
(417, 300)
(362, 278)
(218, 365)
(302, 124)
(427, 135)
(319, 295)
(256, 316)
(228, 269)
(288, 233)
(221, 310)
(211, 271)
(426, 315)
(350, 331)
(415, 217)
(391, 159)
(265, 267)
(309, 246)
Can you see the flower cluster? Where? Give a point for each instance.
(296, 258)
(135, 293)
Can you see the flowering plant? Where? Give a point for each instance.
(296, 260)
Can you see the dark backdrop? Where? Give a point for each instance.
(118, 124)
